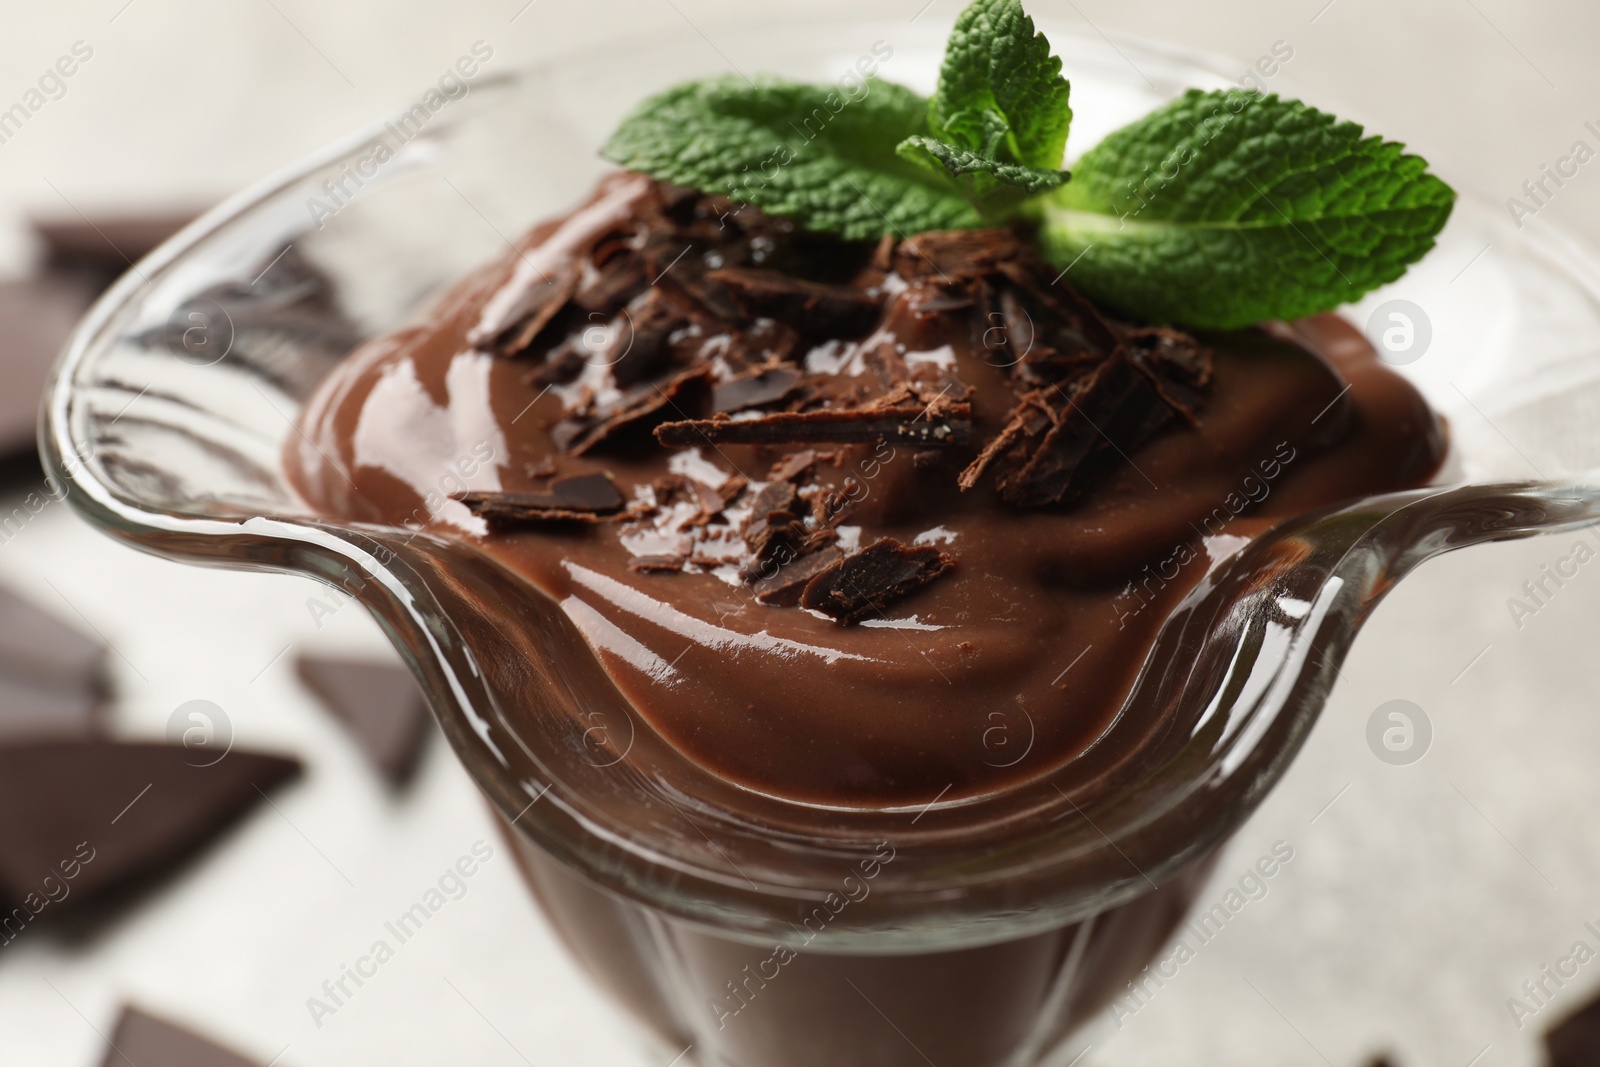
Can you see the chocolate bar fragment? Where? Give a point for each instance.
(378, 703)
(37, 315)
(1575, 1040)
(143, 1040)
(82, 820)
(575, 498)
(105, 245)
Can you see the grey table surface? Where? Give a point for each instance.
(1419, 897)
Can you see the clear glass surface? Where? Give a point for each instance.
(172, 406)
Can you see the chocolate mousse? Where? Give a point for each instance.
(740, 454)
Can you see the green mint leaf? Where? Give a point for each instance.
(1225, 209)
(1000, 91)
(817, 154)
(993, 187)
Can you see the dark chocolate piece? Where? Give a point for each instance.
(782, 588)
(1574, 1041)
(379, 703)
(108, 244)
(766, 385)
(38, 649)
(575, 498)
(950, 426)
(31, 712)
(861, 586)
(142, 1040)
(99, 816)
(36, 318)
(810, 307)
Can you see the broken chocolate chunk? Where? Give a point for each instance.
(773, 532)
(613, 277)
(863, 585)
(575, 498)
(774, 496)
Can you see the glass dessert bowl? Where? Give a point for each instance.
(980, 926)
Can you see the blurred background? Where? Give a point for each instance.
(1420, 898)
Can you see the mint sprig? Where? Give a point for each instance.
(998, 121)
(1225, 209)
(1218, 210)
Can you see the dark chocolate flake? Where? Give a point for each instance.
(576, 498)
(1099, 425)
(647, 403)
(794, 467)
(945, 426)
(782, 587)
(811, 307)
(765, 385)
(863, 585)
(657, 564)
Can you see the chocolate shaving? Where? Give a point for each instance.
(959, 254)
(811, 307)
(657, 564)
(716, 309)
(1109, 415)
(766, 385)
(949, 427)
(862, 585)
(587, 498)
(1178, 365)
(647, 403)
(794, 467)
(783, 587)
